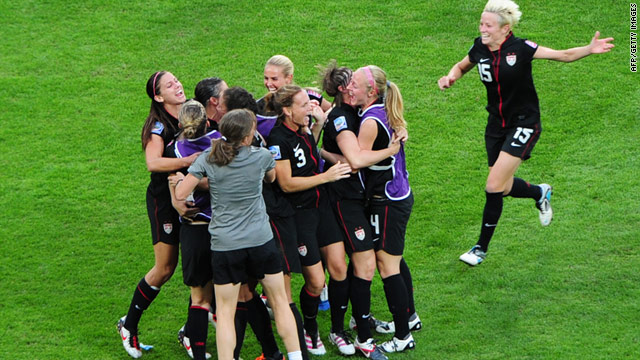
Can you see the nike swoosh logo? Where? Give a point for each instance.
(343, 307)
(188, 347)
(490, 225)
(483, 60)
(124, 338)
(514, 144)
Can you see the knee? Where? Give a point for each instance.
(315, 284)
(365, 270)
(337, 270)
(494, 186)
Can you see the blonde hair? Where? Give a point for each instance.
(282, 62)
(389, 91)
(508, 11)
(193, 119)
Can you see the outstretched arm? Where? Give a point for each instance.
(597, 46)
(456, 72)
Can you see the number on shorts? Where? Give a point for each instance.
(523, 134)
(375, 224)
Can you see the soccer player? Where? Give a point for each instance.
(513, 127)
(340, 143)
(167, 96)
(250, 306)
(208, 93)
(299, 178)
(387, 190)
(194, 235)
(241, 241)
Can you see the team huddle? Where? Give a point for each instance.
(241, 187)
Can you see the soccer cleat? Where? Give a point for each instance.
(474, 256)
(314, 344)
(544, 205)
(397, 345)
(129, 340)
(186, 343)
(342, 341)
(379, 325)
(414, 325)
(277, 356)
(370, 350)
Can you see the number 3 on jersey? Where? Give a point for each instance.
(299, 154)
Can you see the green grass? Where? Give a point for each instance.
(73, 228)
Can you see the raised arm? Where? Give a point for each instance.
(456, 72)
(597, 46)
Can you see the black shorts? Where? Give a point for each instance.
(164, 219)
(195, 246)
(238, 266)
(352, 219)
(284, 232)
(328, 230)
(307, 222)
(517, 140)
(389, 223)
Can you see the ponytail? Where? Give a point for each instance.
(394, 106)
(234, 126)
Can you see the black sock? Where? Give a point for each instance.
(198, 325)
(339, 300)
(490, 217)
(241, 325)
(142, 297)
(261, 325)
(300, 327)
(309, 306)
(523, 189)
(360, 296)
(396, 292)
(405, 272)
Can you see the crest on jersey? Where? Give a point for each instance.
(511, 59)
(340, 123)
(302, 250)
(359, 233)
(275, 152)
(168, 228)
(158, 128)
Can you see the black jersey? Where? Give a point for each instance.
(302, 153)
(506, 73)
(342, 118)
(159, 184)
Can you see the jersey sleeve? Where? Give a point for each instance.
(314, 95)
(268, 161)
(474, 51)
(198, 167)
(279, 149)
(529, 48)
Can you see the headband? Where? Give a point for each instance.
(372, 83)
(154, 83)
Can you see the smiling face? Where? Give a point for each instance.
(298, 113)
(359, 91)
(493, 35)
(274, 77)
(171, 91)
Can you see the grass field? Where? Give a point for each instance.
(74, 234)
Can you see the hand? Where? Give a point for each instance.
(191, 158)
(175, 178)
(338, 171)
(599, 46)
(185, 209)
(446, 82)
(318, 114)
(400, 134)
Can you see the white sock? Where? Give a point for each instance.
(295, 355)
